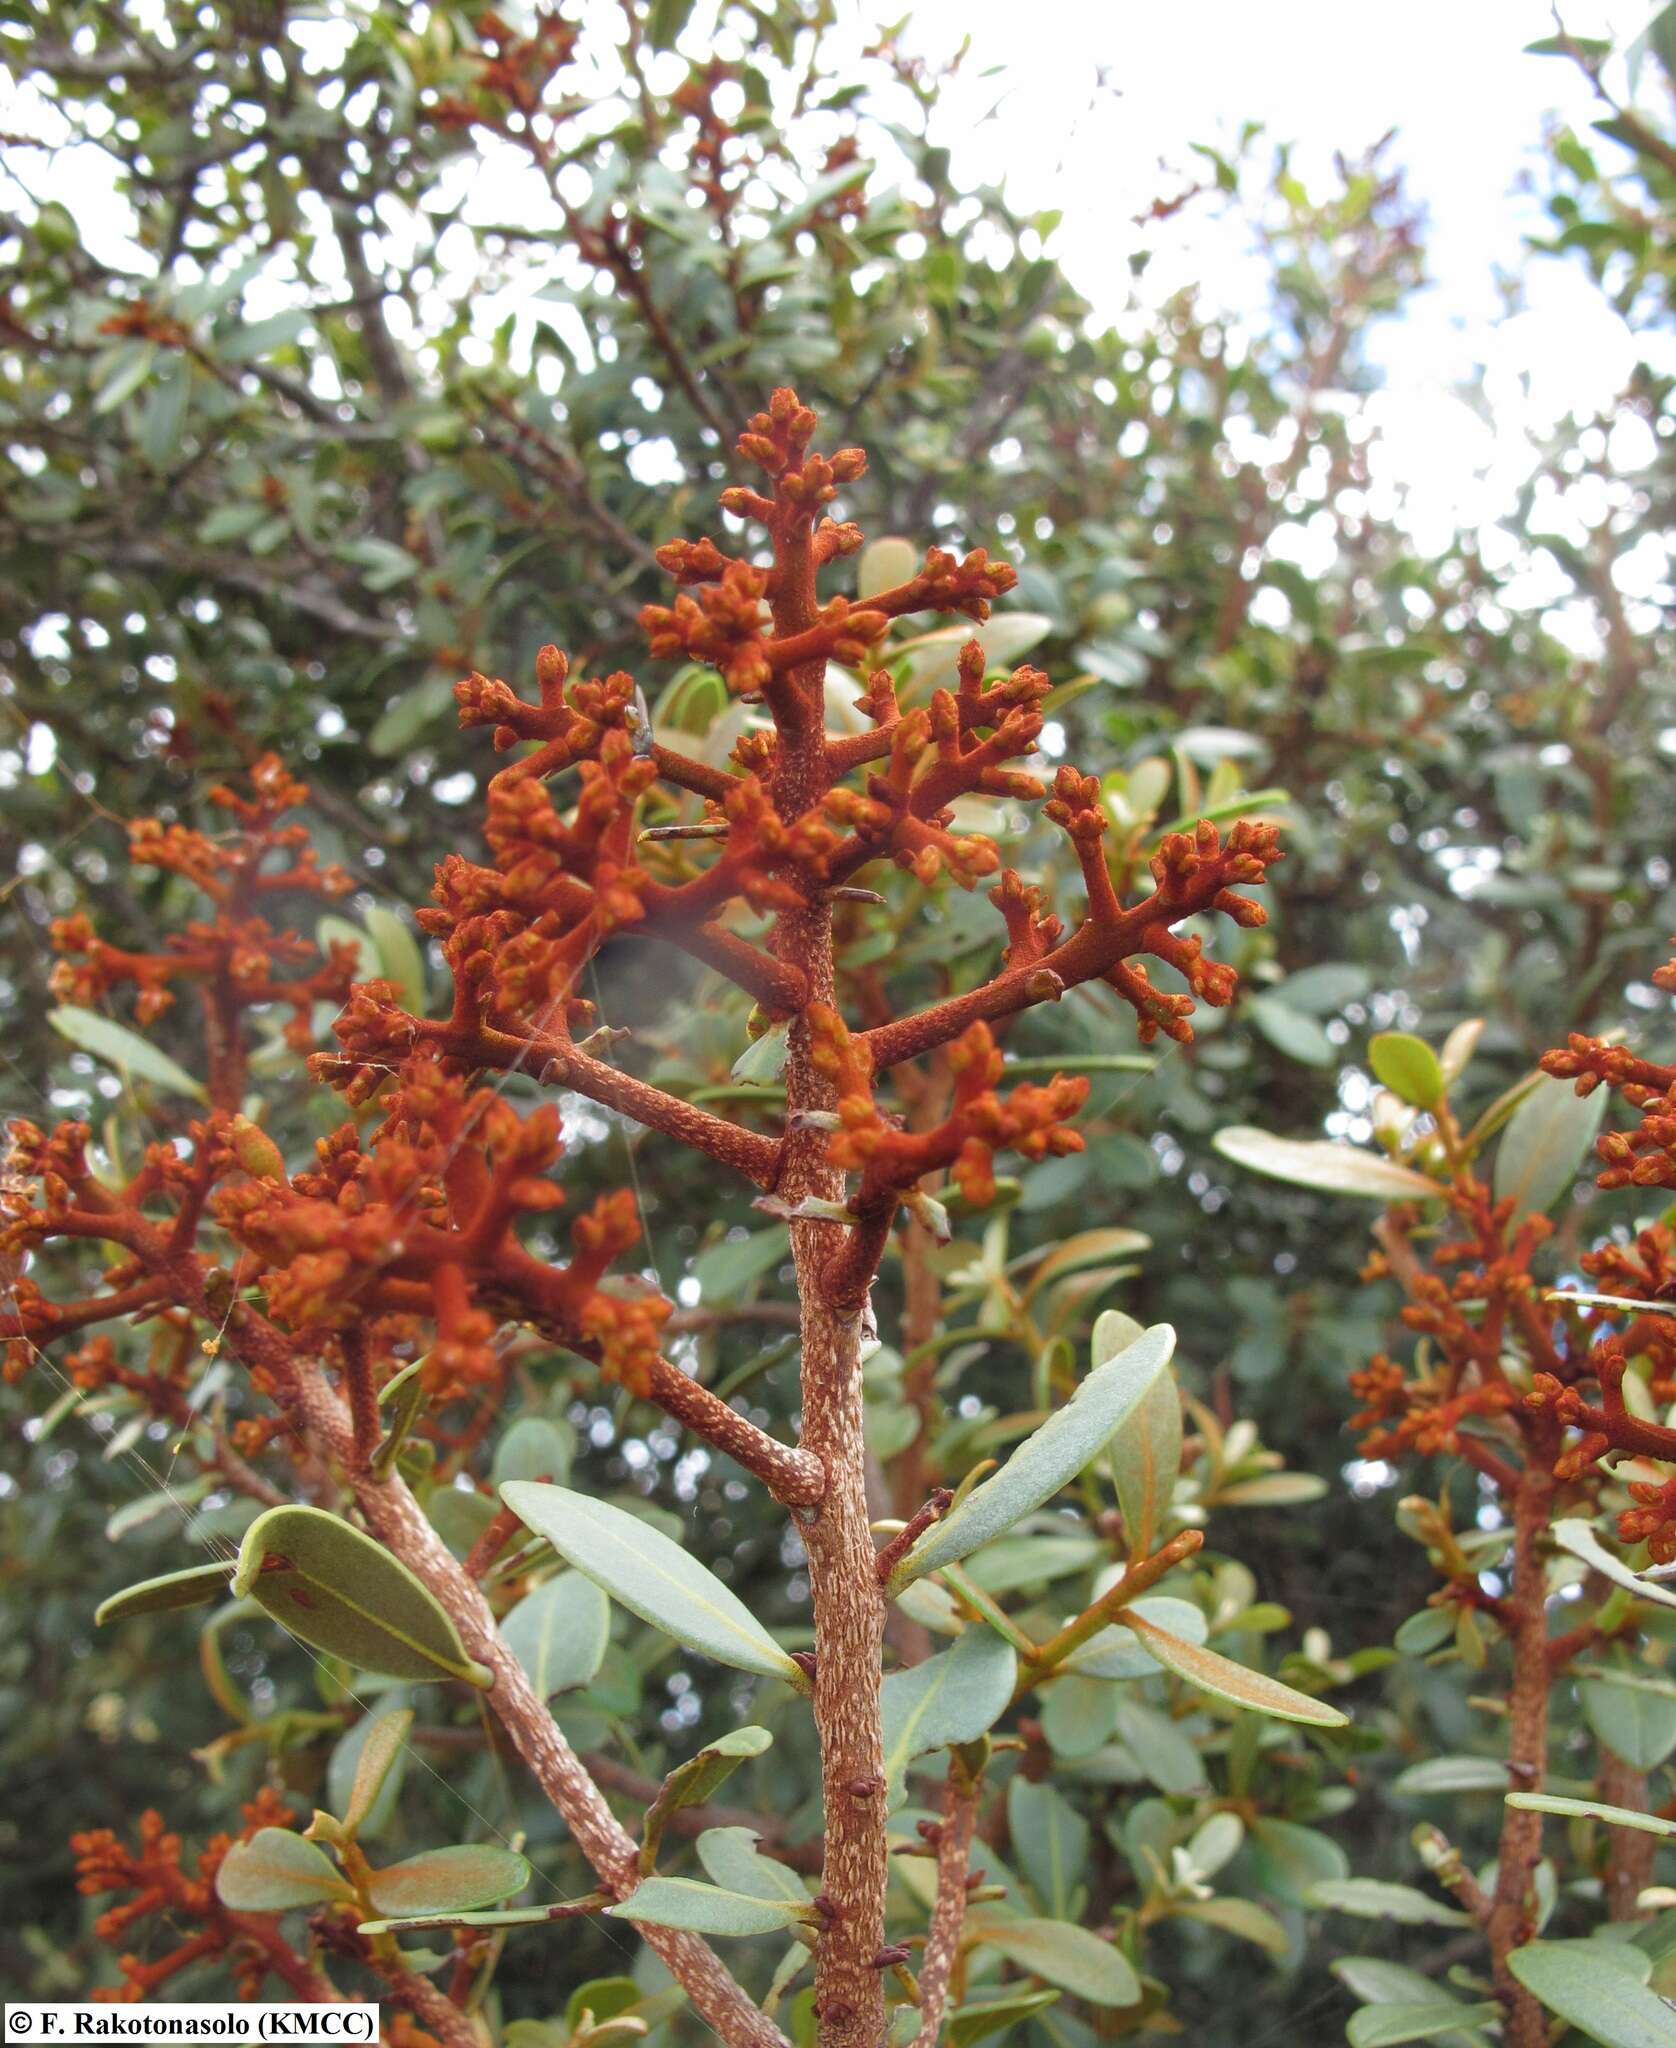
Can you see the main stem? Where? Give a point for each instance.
(843, 1580)
(1512, 1911)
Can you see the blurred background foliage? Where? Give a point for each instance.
(328, 378)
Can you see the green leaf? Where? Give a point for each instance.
(1544, 1144)
(1369, 1898)
(884, 563)
(164, 414)
(723, 1271)
(560, 1633)
(1047, 1459)
(456, 1879)
(275, 1871)
(416, 1923)
(1636, 1719)
(1583, 1983)
(1071, 1957)
(1593, 1809)
(707, 1909)
(1377, 1982)
(366, 1768)
(1208, 1672)
(130, 366)
(763, 1061)
(1117, 1652)
(652, 1577)
(1408, 1067)
(332, 931)
(1577, 1537)
(731, 1859)
(1272, 1490)
(1290, 1858)
(194, 1587)
(1145, 1459)
(399, 955)
(954, 1696)
(1050, 1839)
(404, 1395)
(339, 1591)
(1161, 1746)
(979, 2018)
(534, 1448)
(1318, 1163)
(123, 1049)
(695, 1781)
(1386, 2026)
(1243, 1918)
(381, 1748)
(1290, 1031)
(419, 705)
(1444, 1774)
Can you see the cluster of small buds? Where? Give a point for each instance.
(237, 950)
(723, 626)
(1031, 1121)
(1652, 1520)
(570, 719)
(1551, 1398)
(161, 1887)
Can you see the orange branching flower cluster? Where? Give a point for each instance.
(420, 1224)
(159, 1884)
(233, 956)
(1030, 1120)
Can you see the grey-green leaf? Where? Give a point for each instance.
(123, 1049)
(275, 1871)
(707, 1909)
(1071, 1957)
(695, 1781)
(731, 1859)
(1544, 1144)
(1145, 1457)
(1047, 1459)
(560, 1632)
(456, 1879)
(1388, 2026)
(1319, 1163)
(1576, 1536)
(955, 1696)
(1585, 1983)
(652, 1577)
(1369, 1898)
(1207, 1671)
(380, 1744)
(1051, 1841)
(194, 1587)
(339, 1591)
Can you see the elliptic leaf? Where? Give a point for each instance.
(731, 1859)
(1388, 2026)
(1544, 1144)
(1577, 1537)
(194, 1587)
(1071, 1957)
(1208, 1672)
(706, 1909)
(1319, 1163)
(955, 1696)
(1051, 1840)
(456, 1879)
(1047, 1459)
(381, 1747)
(339, 1591)
(560, 1632)
(1408, 1067)
(1586, 1983)
(1593, 1809)
(1145, 1457)
(652, 1577)
(1368, 1898)
(124, 1049)
(695, 1781)
(274, 1871)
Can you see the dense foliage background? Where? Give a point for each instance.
(325, 384)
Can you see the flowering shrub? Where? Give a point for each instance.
(378, 1302)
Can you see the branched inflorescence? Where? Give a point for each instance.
(418, 1229)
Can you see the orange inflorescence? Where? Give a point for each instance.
(153, 1873)
(1030, 1121)
(233, 956)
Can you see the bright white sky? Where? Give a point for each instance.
(1469, 109)
(1449, 75)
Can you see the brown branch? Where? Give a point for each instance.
(693, 1820)
(948, 1915)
